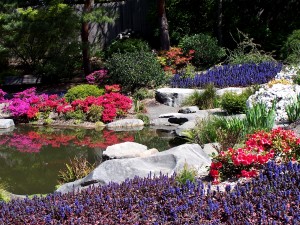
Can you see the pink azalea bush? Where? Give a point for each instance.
(28, 104)
(97, 77)
(261, 147)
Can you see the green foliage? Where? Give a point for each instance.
(82, 91)
(260, 118)
(76, 115)
(227, 131)
(77, 168)
(142, 94)
(42, 40)
(135, 70)
(186, 174)
(235, 103)
(291, 48)
(293, 110)
(204, 100)
(296, 79)
(127, 45)
(207, 52)
(205, 131)
(247, 52)
(3, 193)
(95, 113)
(144, 118)
(138, 106)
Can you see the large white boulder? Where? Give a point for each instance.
(282, 94)
(125, 150)
(167, 162)
(6, 123)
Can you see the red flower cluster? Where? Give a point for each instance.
(112, 88)
(114, 104)
(175, 59)
(279, 144)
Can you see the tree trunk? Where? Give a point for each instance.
(85, 31)
(220, 22)
(163, 26)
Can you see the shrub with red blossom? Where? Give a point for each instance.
(261, 147)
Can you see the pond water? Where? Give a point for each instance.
(31, 157)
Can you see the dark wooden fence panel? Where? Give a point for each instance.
(132, 15)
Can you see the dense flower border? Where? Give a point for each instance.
(261, 147)
(271, 198)
(27, 104)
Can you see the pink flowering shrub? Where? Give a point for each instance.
(279, 145)
(27, 104)
(2, 94)
(97, 77)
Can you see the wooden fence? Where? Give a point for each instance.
(131, 15)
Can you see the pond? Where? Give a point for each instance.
(31, 157)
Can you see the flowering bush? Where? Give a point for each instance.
(2, 94)
(97, 77)
(114, 104)
(175, 59)
(112, 88)
(279, 144)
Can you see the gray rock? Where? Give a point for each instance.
(125, 123)
(237, 90)
(159, 122)
(188, 109)
(167, 162)
(173, 96)
(6, 123)
(7, 130)
(3, 113)
(125, 150)
(180, 118)
(184, 127)
(211, 148)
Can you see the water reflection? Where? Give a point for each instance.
(30, 157)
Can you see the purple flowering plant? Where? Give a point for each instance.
(97, 77)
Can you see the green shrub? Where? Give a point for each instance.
(207, 52)
(142, 94)
(77, 168)
(291, 48)
(293, 110)
(247, 52)
(144, 118)
(135, 70)
(204, 100)
(127, 45)
(235, 103)
(95, 113)
(76, 115)
(186, 174)
(82, 91)
(296, 79)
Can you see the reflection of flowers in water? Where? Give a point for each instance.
(32, 141)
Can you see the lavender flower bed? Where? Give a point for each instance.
(271, 198)
(230, 76)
